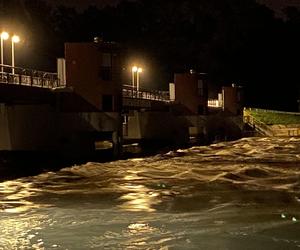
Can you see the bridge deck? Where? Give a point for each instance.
(28, 77)
(153, 95)
(17, 76)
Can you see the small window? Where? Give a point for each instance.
(239, 96)
(200, 88)
(107, 103)
(106, 60)
(200, 110)
(105, 73)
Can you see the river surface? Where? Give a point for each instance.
(233, 195)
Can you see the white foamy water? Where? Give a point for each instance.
(234, 195)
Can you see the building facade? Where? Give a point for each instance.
(93, 71)
(191, 92)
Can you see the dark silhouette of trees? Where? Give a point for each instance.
(231, 40)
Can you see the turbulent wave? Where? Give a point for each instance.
(204, 185)
(264, 163)
(250, 163)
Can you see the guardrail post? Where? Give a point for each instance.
(31, 78)
(42, 81)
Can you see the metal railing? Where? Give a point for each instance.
(256, 124)
(28, 77)
(154, 95)
(214, 103)
(271, 130)
(272, 111)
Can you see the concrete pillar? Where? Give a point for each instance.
(117, 145)
(172, 91)
(5, 142)
(61, 71)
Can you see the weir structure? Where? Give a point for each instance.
(85, 108)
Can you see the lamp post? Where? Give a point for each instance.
(139, 70)
(134, 70)
(14, 39)
(4, 36)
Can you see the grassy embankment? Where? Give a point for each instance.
(273, 117)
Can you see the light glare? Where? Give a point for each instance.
(4, 35)
(15, 39)
(134, 69)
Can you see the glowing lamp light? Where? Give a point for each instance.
(15, 39)
(134, 69)
(4, 35)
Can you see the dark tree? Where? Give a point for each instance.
(231, 40)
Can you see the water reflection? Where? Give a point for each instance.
(14, 197)
(19, 225)
(139, 234)
(138, 197)
(23, 232)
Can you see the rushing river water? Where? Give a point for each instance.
(233, 195)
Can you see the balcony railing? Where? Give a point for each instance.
(214, 103)
(154, 95)
(28, 77)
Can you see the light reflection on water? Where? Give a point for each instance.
(233, 195)
(137, 197)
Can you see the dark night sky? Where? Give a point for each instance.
(81, 4)
(277, 5)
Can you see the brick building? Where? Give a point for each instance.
(93, 71)
(233, 99)
(191, 92)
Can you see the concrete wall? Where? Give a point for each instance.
(27, 127)
(5, 143)
(215, 127)
(197, 125)
(41, 128)
(134, 127)
(285, 130)
(160, 126)
(178, 129)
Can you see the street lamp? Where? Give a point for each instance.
(139, 70)
(14, 39)
(4, 36)
(133, 70)
(136, 70)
